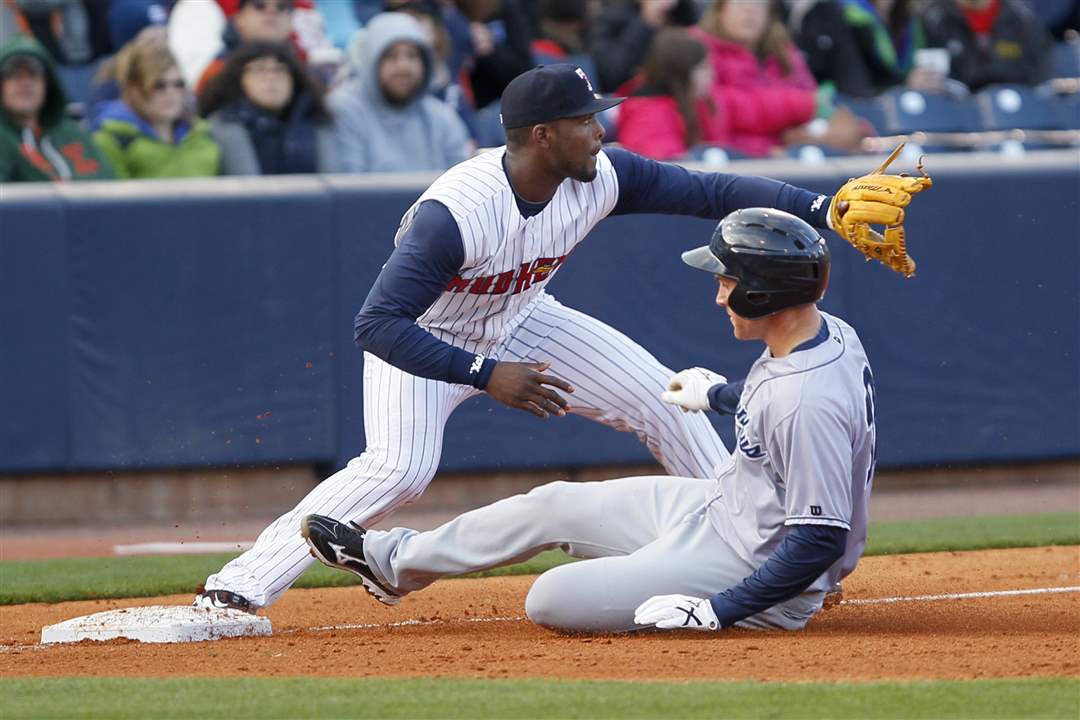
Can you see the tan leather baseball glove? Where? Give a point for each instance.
(878, 199)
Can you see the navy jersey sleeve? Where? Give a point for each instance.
(724, 397)
(648, 186)
(802, 557)
(428, 255)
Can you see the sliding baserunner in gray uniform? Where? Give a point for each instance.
(759, 546)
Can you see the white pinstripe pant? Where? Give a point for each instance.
(616, 382)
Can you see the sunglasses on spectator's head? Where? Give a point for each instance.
(166, 84)
(281, 6)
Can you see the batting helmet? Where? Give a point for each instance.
(777, 260)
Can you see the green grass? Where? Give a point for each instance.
(89, 578)
(431, 698)
(974, 533)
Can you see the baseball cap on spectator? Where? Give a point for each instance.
(14, 63)
(262, 4)
(551, 92)
(128, 17)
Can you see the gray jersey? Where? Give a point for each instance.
(805, 450)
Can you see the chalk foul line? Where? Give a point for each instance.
(960, 596)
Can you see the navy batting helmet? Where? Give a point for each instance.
(777, 260)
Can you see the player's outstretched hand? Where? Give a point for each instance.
(689, 389)
(677, 612)
(522, 386)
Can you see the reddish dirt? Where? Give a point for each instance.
(1013, 636)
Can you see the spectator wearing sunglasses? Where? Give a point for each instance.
(267, 114)
(147, 132)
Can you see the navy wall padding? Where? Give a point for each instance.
(186, 333)
(211, 325)
(34, 330)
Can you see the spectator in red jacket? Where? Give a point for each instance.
(660, 118)
(762, 86)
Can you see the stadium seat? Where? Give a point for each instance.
(910, 111)
(1069, 108)
(870, 109)
(1010, 107)
(813, 154)
(714, 154)
(1067, 59)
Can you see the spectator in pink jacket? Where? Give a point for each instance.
(761, 85)
(662, 115)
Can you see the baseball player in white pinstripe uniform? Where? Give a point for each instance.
(460, 308)
(759, 546)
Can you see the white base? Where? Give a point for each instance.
(158, 624)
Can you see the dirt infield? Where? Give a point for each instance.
(475, 628)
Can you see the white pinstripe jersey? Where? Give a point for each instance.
(508, 258)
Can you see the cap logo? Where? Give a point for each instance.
(583, 76)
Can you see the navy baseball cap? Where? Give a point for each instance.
(551, 92)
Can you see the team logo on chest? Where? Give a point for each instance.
(512, 281)
(747, 445)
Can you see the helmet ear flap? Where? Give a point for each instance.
(750, 304)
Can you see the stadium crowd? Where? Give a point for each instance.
(95, 89)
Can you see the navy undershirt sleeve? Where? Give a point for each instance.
(648, 186)
(724, 397)
(804, 554)
(429, 254)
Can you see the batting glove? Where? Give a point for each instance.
(689, 389)
(675, 612)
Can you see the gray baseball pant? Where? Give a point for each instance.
(642, 536)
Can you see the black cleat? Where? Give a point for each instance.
(341, 546)
(221, 600)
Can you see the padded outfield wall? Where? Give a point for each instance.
(186, 324)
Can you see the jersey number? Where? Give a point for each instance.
(868, 384)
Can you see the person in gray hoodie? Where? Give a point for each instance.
(384, 118)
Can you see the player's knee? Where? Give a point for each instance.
(405, 476)
(414, 480)
(555, 603)
(542, 604)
